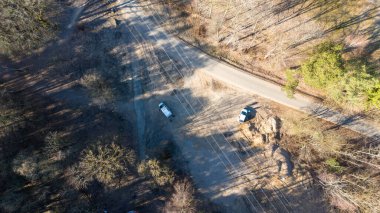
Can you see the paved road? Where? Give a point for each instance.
(224, 72)
(216, 166)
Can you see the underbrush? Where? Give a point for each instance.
(100, 89)
(342, 164)
(26, 25)
(268, 46)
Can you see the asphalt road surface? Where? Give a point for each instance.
(195, 59)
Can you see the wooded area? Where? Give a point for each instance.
(269, 37)
(26, 25)
(67, 123)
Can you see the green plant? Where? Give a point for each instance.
(291, 83)
(373, 96)
(347, 83)
(334, 166)
(324, 67)
(352, 89)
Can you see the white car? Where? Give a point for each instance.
(165, 109)
(243, 115)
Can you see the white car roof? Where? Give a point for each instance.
(165, 110)
(242, 116)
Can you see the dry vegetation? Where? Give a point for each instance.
(161, 174)
(26, 25)
(63, 147)
(275, 34)
(99, 88)
(104, 163)
(76, 157)
(182, 199)
(268, 37)
(345, 165)
(55, 168)
(82, 170)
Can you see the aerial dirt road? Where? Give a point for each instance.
(196, 59)
(223, 167)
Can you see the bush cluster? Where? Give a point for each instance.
(347, 83)
(25, 25)
(103, 163)
(291, 83)
(161, 174)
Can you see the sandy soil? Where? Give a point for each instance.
(205, 128)
(224, 168)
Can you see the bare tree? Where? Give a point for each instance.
(182, 200)
(104, 163)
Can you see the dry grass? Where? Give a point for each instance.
(313, 141)
(350, 185)
(25, 164)
(100, 89)
(203, 81)
(160, 173)
(26, 25)
(268, 37)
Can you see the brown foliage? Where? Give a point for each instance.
(161, 174)
(25, 25)
(182, 200)
(105, 163)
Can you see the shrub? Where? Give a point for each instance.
(182, 200)
(76, 178)
(314, 143)
(98, 86)
(103, 163)
(291, 83)
(25, 164)
(349, 84)
(53, 143)
(161, 174)
(328, 144)
(334, 166)
(373, 96)
(325, 67)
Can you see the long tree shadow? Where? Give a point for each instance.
(50, 92)
(54, 91)
(369, 14)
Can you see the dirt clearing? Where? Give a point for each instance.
(224, 166)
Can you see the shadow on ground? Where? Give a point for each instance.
(53, 97)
